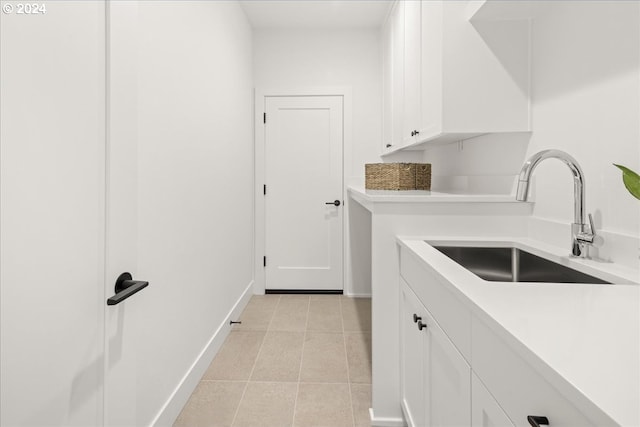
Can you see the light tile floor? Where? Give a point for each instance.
(296, 360)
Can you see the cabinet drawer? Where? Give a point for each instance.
(485, 411)
(518, 388)
(453, 317)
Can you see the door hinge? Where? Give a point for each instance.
(264, 189)
(264, 117)
(264, 261)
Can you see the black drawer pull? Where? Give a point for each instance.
(537, 421)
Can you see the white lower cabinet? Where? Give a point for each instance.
(413, 366)
(493, 387)
(436, 379)
(485, 411)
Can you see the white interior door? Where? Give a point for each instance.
(68, 213)
(122, 395)
(303, 175)
(52, 213)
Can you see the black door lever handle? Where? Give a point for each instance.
(334, 203)
(537, 421)
(125, 287)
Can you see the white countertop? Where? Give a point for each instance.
(585, 337)
(420, 196)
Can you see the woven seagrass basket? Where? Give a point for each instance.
(398, 176)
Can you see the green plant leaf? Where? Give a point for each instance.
(631, 180)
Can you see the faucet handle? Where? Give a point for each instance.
(592, 228)
(585, 236)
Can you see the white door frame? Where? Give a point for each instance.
(259, 152)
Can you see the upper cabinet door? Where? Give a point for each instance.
(431, 68)
(397, 34)
(412, 69)
(387, 86)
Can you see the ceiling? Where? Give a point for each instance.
(316, 14)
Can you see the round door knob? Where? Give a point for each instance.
(334, 203)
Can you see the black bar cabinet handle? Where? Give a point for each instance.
(334, 203)
(537, 421)
(125, 287)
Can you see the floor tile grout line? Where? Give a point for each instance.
(304, 339)
(246, 386)
(255, 362)
(346, 356)
(275, 310)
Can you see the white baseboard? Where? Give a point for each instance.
(171, 409)
(355, 295)
(385, 421)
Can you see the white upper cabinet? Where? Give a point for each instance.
(387, 84)
(452, 78)
(394, 40)
(397, 72)
(412, 70)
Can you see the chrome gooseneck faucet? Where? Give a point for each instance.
(582, 234)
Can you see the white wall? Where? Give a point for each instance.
(195, 183)
(586, 96)
(321, 58)
(585, 101)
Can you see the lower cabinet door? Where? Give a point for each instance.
(485, 411)
(412, 365)
(448, 381)
(435, 378)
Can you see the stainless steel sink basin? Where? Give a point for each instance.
(513, 265)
